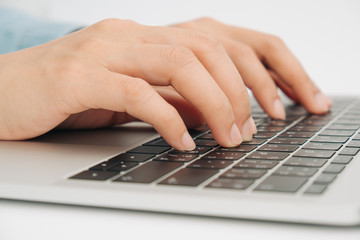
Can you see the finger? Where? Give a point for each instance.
(283, 86)
(190, 115)
(214, 58)
(120, 93)
(165, 65)
(256, 77)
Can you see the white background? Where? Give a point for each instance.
(324, 35)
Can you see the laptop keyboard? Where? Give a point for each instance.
(303, 154)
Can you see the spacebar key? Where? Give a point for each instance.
(281, 184)
(189, 177)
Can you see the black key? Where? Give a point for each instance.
(281, 184)
(354, 143)
(322, 146)
(292, 141)
(230, 183)
(206, 143)
(176, 157)
(198, 150)
(314, 153)
(334, 168)
(303, 128)
(338, 133)
(310, 122)
(104, 166)
(278, 148)
(132, 157)
(343, 127)
(206, 136)
(149, 172)
(159, 142)
(350, 151)
(290, 134)
(279, 123)
(295, 171)
(94, 175)
(123, 166)
(325, 178)
(257, 164)
(212, 164)
(224, 155)
(342, 159)
(241, 148)
(189, 177)
(268, 155)
(264, 135)
(254, 142)
(269, 128)
(348, 121)
(316, 189)
(241, 173)
(329, 139)
(305, 162)
(148, 150)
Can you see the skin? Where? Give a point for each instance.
(175, 77)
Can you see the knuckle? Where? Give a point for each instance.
(209, 42)
(273, 43)
(245, 51)
(181, 56)
(89, 44)
(137, 91)
(113, 23)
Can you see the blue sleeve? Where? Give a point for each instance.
(18, 30)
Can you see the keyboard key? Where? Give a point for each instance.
(343, 127)
(269, 129)
(342, 159)
(230, 183)
(268, 155)
(241, 173)
(123, 166)
(338, 133)
(264, 135)
(195, 133)
(257, 164)
(322, 146)
(149, 150)
(325, 178)
(176, 157)
(292, 141)
(334, 168)
(281, 184)
(278, 148)
(159, 142)
(316, 189)
(224, 155)
(305, 162)
(132, 157)
(212, 164)
(279, 123)
(241, 148)
(290, 134)
(254, 141)
(104, 166)
(94, 175)
(206, 136)
(329, 139)
(314, 153)
(350, 151)
(303, 128)
(295, 171)
(310, 122)
(189, 177)
(197, 150)
(149, 172)
(354, 143)
(206, 143)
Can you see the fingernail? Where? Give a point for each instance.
(253, 126)
(235, 135)
(323, 102)
(279, 110)
(247, 130)
(188, 142)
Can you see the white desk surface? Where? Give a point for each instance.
(324, 34)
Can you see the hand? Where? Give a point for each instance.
(105, 73)
(265, 63)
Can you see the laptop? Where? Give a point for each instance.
(304, 169)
